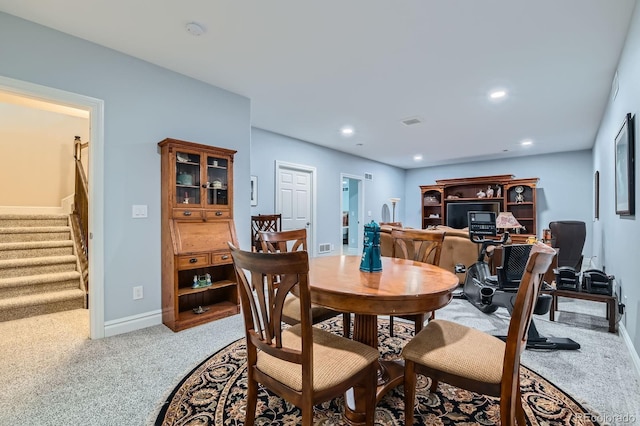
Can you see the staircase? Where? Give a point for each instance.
(38, 267)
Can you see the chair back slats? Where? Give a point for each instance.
(417, 244)
(262, 298)
(283, 241)
(538, 262)
(266, 223)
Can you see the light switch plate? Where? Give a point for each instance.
(139, 211)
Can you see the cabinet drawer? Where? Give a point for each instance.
(217, 214)
(194, 261)
(221, 258)
(186, 213)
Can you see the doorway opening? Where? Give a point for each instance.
(61, 99)
(351, 213)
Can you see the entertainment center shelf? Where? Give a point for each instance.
(501, 193)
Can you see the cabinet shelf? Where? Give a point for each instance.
(216, 310)
(217, 167)
(449, 200)
(217, 284)
(524, 203)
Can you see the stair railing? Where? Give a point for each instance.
(81, 204)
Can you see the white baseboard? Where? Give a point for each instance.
(31, 210)
(132, 323)
(632, 350)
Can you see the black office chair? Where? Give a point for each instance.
(568, 236)
(514, 260)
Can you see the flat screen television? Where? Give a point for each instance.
(457, 216)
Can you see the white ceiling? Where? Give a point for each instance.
(310, 68)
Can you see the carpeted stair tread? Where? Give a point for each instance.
(33, 229)
(39, 304)
(26, 245)
(38, 267)
(13, 216)
(35, 261)
(41, 299)
(38, 279)
(30, 220)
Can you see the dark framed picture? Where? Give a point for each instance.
(254, 190)
(596, 194)
(624, 168)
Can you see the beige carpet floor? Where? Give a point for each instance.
(52, 374)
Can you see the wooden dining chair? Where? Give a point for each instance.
(304, 365)
(263, 223)
(470, 359)
(295, 240)
(421, 246)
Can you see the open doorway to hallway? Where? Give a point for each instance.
(351, 213)
(36, 118)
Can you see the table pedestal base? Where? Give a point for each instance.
(390, 373)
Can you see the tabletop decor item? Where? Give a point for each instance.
(371, 256)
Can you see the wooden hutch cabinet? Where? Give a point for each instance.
(517, 196)
(198, 279)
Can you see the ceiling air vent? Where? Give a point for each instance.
(411, 121)
(368, 176)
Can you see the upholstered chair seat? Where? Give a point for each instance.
(334, 359)
(459, 350)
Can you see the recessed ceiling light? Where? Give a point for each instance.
(526, 142)
(194, 29)
(417, 157)
(498, 94)
(346, 131)
(359, 144)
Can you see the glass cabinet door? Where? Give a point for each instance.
(187, 179)
(217, 190)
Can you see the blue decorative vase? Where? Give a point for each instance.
(371, 256)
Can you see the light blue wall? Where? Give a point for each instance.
(267, 147)
(616, 237)
(565, 186)
(143, 104)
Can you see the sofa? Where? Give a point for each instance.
(456, 248)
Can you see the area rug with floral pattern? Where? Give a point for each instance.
(214, 394)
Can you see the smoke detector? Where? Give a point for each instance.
(194, 29)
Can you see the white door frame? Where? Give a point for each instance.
(96, 184)
(283, 165)
(360, 180)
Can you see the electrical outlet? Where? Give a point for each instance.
(137, 292)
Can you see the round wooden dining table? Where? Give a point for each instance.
(402, 287)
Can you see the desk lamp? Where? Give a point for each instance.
(507, 221)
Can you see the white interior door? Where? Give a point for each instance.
(295, 198)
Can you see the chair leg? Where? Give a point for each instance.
(370, 391)
(346, 324)
(391, 325)
(434, 385)
(252, 401)
(409, 391)
(307, 414)
(520, 417)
